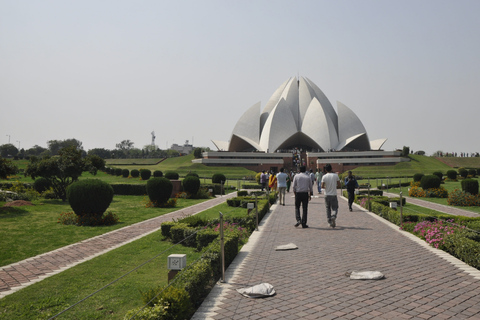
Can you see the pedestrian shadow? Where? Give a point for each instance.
(339, 228)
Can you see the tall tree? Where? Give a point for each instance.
(61, 170)
(55, 145)
(8, 150)
(124, 147)
(7, 168)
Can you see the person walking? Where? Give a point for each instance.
(302, 188)
(263, 180)
(289, 181)
(282, 185)
(330, 183)
(318, 177)
(351, 183)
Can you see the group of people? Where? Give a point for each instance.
(303, 186)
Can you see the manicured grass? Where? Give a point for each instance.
(417, 164)
(449, 185)
(32, 230)
(54, 294)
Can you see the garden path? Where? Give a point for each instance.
(21, 274)
(311, 283)
(436, 206)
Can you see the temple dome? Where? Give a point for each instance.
(299, 115)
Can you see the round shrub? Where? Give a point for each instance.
(438, 174)
(417, 177)
(125, 173)
(470, 186)
(452, 174)
(118, 171)
(218, 178)
(191, 185)
(90, 197)
(157, 174)
(472, 172)
(135, 173)
(429, 182)
(107, 170)
(192, 174)
(41, 184)
(478, 171)
(159, 190)
(171, 175)
(463, 172)
(145, 174)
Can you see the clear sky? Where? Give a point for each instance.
(106, 71)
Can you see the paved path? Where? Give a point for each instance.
(18, 275)
(435, 206)
(421, 282)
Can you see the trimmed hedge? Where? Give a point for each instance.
(159, 190)
(430, 182)
(125, 173)
(171, 175)
(191, 185)
(452, 174)
(470, 186)
(417, 177)
(129, 189)
(218, 178)
(135, 173)
(157, 174)
(89, 197)
(145, 174)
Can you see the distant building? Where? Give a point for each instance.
(185, 149)
(299, 126)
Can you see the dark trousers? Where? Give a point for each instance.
(351, 197)
(301, 198)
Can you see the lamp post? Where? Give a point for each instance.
(18, 145)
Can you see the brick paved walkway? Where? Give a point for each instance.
(421, 282)
(18, 275)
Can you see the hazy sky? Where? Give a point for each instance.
(106, 71)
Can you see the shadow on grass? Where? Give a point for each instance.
(10, 212)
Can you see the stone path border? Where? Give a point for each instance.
(21, 274)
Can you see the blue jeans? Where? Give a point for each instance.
(319, 185)
(331, 204)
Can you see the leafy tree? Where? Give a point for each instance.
(7, 168)
(124, 147)
(56, 145)
(8, 150)
(61, 170)
(405, 151)
(197, 153)
(95, 161)
(35, 151)
(101, 152)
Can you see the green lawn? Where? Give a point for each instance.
(32, 230)
(449, 185)
(54, 294)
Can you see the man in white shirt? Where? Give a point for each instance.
(281, 185)
(330, 183)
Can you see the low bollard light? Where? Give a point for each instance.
(176, 262)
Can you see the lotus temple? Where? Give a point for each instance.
(299, 126)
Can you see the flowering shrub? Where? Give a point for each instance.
(436, 193)
(416, 192)
(434, 233)
(414, 184)
(463, 199)
(70, 218)
(234, 228)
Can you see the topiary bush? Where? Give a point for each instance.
(41, 184)
(118, 171)
(470, 186)
(463, 172)
(452, 174)
(472, 172)
(171, 175)
(430, 182)
(191, 185)
(438, 174)
(218, 178)
(417, 177)
(135, 173)
(125, 173)
(192, 174)
(164, 303)
(90, 197)
(157, 174)
(145, 174)
(159, 190)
